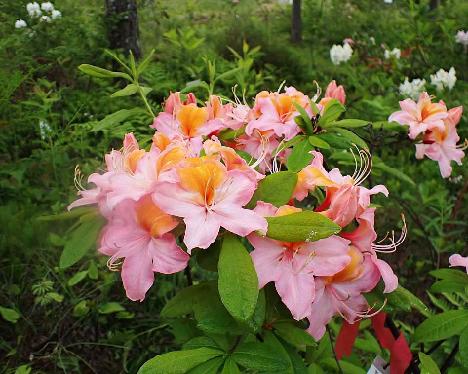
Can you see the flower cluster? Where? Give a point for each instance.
(435, 126)
(412, 88)
(44, 12)
(340, 53)
(462, 37)
(444, 79)
(395, 53)
(192, 185)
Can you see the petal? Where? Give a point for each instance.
(168, 257)
(321, 312)
(330, 256)
(137, 275)
(238, 188)
(201, 230)
(388, 276)
(458, 260)
(297, 290)
(176, 201)
(238, 220)
(266, 258)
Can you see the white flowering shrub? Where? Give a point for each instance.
(43, 13)
(444, 79)
(340, 53)
(412, 88)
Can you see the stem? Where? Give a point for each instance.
(143, 96)
(334, 353)
(449, 359)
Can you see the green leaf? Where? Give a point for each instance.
(179, 362)
(403, 297)
(276, 189)
(463, 346)
(208, 367)
(451, 275)
(208, 258)
(389, 126)
(294, 335)
(182, 303)
(23, 369)
(82, 239)
(317, 142)
(78, 277)
(332, 111)
(300, 156)
(314, 369)
(142, 66)
(200, 342)
(427, 366)
(81, 309)
(98, 72)
(111, 121)
(237, 280)
(378, 164)
(259, 356)
(307, 127)
(110, 307)
(9, 314)
(71, 214)
(441, 326)
(350, 123)
(230, 367)
(93, 272)
(256, 322)
(350, 136)
(130, 89)
(301, 227)
(448, 286)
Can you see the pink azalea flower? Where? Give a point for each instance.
(116, 162)
(458, 260)
(138, 233)
(421, 116)
(441, 146)
(208, 197)
(237, 115)
(174, 102)
(345, 198)
(334, 92)
(342, 293)
(294, 266)
(188, 123)
(276, 112)
(363, 238)
(260, 145)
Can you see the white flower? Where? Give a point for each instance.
(19, 24)
(388, 1)
(44, 129)
(372, 40)
(413, 88)
(444, 79)
(462, 37)
(34, 10)
(56, 14)
(45, 19)
(340, 53)
(47, 7)
(395, 52)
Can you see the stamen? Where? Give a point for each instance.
(78, 179)
(392, 246)
(280, 86)
(114, 263)
(318, 92)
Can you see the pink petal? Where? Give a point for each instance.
(238, 189)
(388, 276)
(201, 231)
(330, 256)
(321, 312)
(168, 257)
(176, 201)
(238, 220)
(137, 275)
(266, 258)
(458, 260)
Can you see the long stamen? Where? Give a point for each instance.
(114, 263)
(318, 92)
(78, 179)
(281, 86)
(392, 246)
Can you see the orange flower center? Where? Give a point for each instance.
(131, 159)
(152, 218)
(352, 271)
(202, 175)
(191, 118)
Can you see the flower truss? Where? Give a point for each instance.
(44, 12)
(435, 127)
(205, 175)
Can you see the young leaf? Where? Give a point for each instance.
(9, 314)
(300, 156)
(81, 240)
(130, 89)
(318, 142)
(179, 362)
(142, 66)
(350, 123)
(441, 326)
(301, 227)
(98, 72)
(427, 366)
(276, 189)
(237, 280)
(350, 136)
(332, 111)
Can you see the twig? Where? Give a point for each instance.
(334, 353)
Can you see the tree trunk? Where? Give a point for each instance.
(122, 26)
(296, 22)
